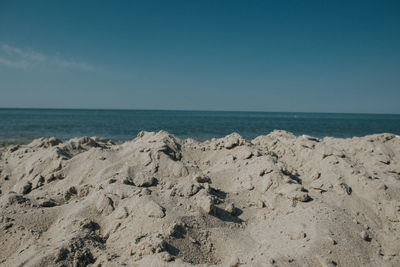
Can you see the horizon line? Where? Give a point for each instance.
(194, 110)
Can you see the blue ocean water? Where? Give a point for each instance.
(23, 125)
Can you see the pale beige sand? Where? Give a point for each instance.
(277, 200)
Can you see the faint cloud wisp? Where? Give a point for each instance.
(15, 57)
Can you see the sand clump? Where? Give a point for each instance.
(157, 200)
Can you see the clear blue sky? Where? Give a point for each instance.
(310, 56)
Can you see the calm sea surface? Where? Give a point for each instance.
(23, 125)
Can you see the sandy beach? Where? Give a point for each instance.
(157, 200)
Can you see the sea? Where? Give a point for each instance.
(24, 125)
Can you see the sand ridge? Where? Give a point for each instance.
(157, 200)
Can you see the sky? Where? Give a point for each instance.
(294, 56)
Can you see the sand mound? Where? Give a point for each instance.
(161, 201)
